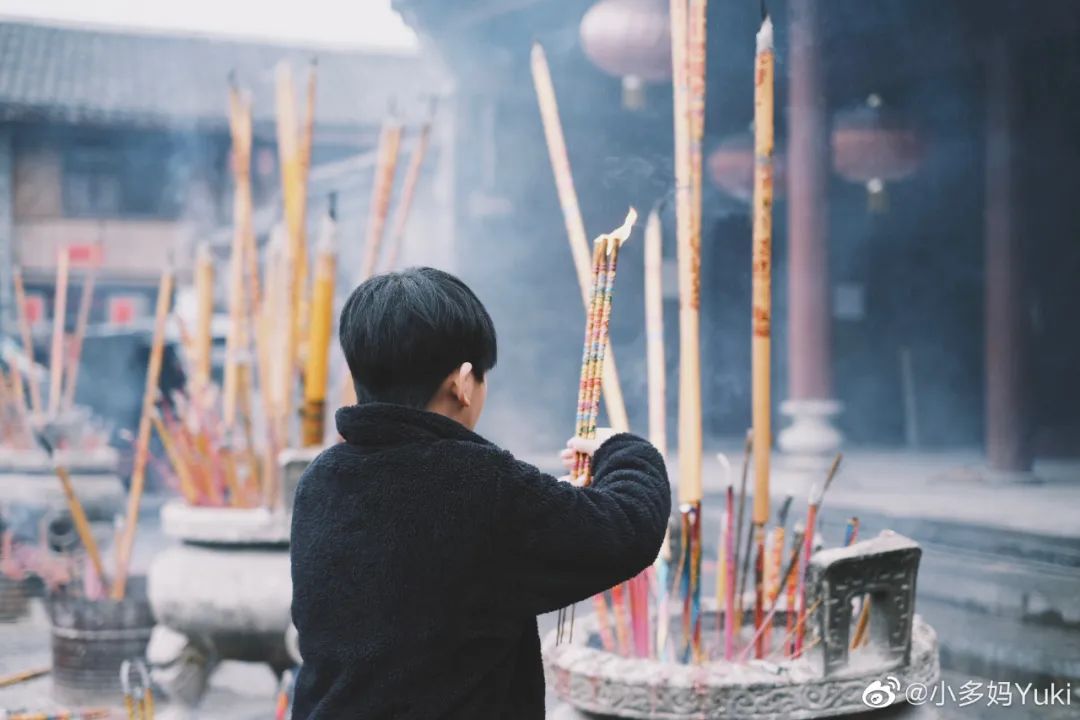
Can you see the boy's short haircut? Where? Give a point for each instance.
(404, 332)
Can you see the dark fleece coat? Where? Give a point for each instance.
(422, 554)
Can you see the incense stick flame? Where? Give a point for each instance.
(622, 233)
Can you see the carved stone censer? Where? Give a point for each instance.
(829, 679)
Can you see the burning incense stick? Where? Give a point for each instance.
(81, 322)
(851, 531)
(89, 714)
(816, 497)
(236, 342)
(654, 333)
(639, 613)
(575, 226)
(774, 561)
(588, 357)
(790, 600)
(748, 446)
(142, 440)
(727, 601)
(762, 293)
(204, 315)
(24, 676)
(408, 191)
(320, 328)
(27, 339)
(622, 622)
(78, 514)
(383, 187)
(183, 472)
(56, 354)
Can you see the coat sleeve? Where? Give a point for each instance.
(560, 544)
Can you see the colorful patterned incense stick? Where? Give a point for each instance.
(598, 317)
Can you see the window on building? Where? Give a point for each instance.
(126, 177)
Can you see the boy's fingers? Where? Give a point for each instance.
(584, 445)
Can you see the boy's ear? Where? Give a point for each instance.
(464, 384)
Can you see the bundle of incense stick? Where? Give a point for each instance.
(597, 321)
(801, 548)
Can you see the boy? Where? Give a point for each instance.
(421, 553)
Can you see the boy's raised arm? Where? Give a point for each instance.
(561, 544)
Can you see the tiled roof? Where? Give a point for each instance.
(68, 74)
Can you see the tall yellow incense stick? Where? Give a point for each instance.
(575, 226)
(386, 167)
(318, 343)
(142, 438)
(654, 333)
(292, 150)
(689, 271)
(762, 303)
(204, 314)
(408, 191)
(307, 138)
(27, 340)
(236, 342)
(378, 208)
(56, 355)
(762, 267)
(71, 379)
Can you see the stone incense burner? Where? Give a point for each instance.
(828, 680)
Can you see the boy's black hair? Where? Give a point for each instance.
(404, 332)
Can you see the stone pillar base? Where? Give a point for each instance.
(812, 433)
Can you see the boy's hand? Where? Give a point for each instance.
(575, 445)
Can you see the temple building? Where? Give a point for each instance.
(115, 144)
(924, 254)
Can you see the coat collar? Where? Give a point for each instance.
(376, 424)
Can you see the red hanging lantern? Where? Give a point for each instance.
(731, 167)
(630, 39)
(873, 146)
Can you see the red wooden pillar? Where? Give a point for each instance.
(810, 402)
(1008, 446)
